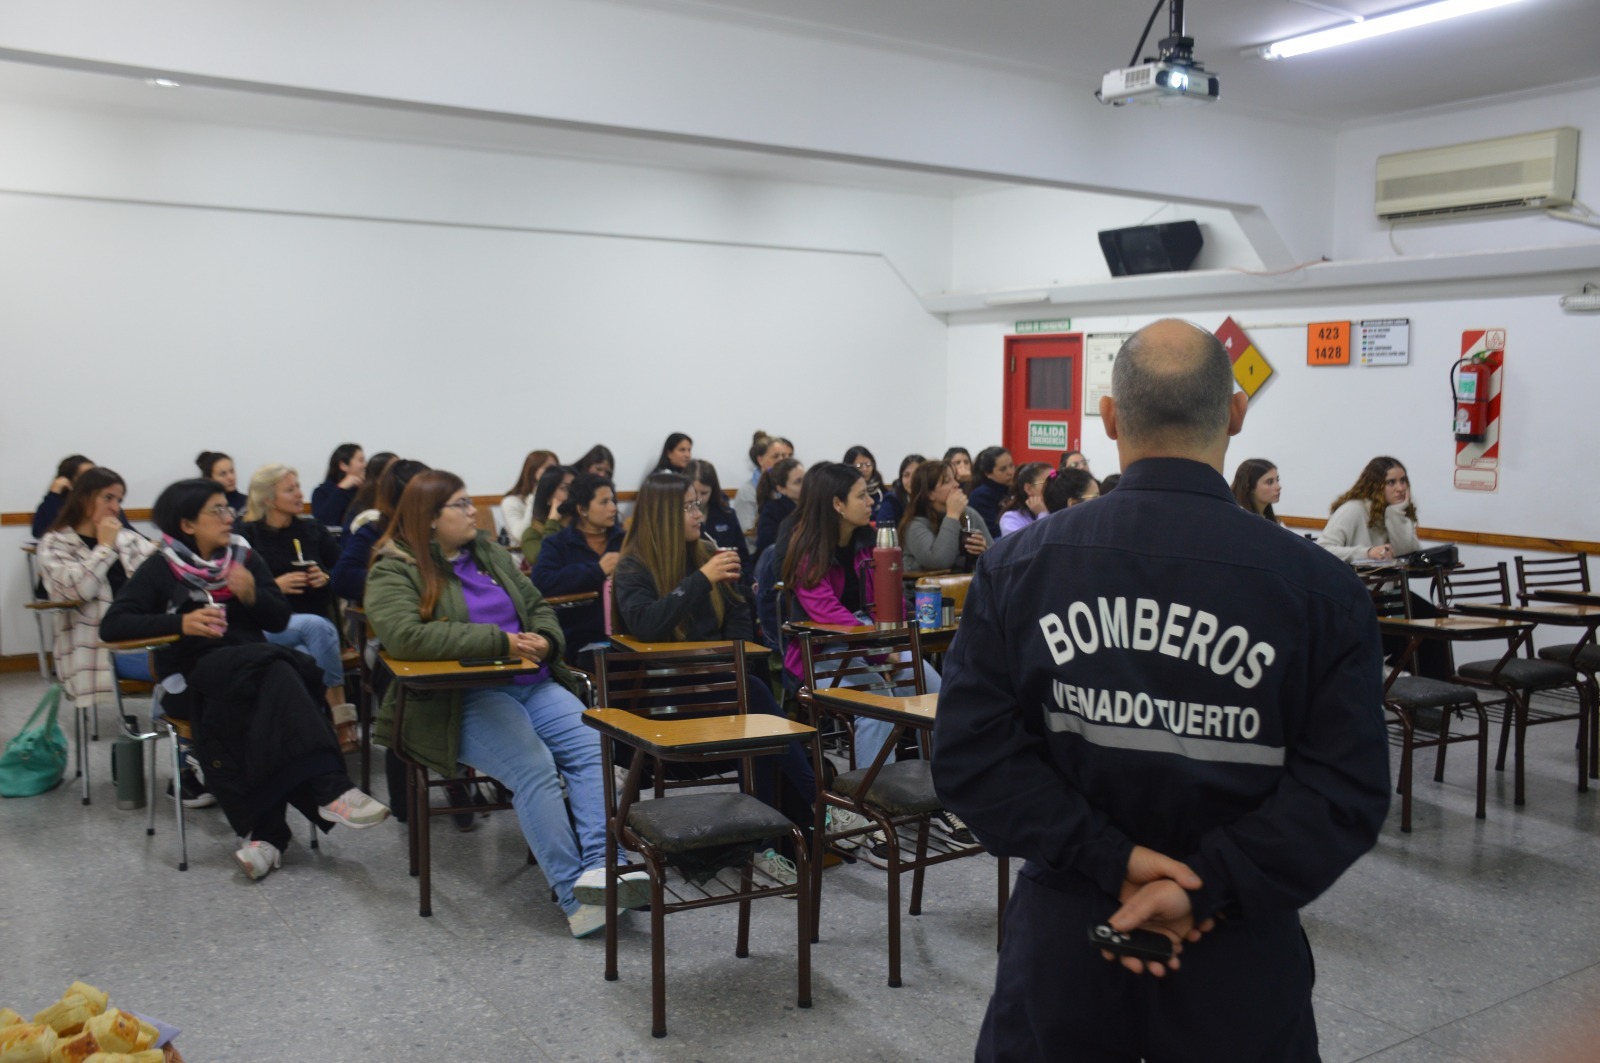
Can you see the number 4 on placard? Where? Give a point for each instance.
(1328, 343)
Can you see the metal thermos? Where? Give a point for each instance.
(127, 770)
(888, 594)
(969, 526)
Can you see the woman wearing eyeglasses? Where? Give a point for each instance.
(261, 737)
(440, 589)
(861, 459)
(580, 558)
(1376, 519)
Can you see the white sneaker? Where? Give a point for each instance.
(633, 888)
(354, 809)
(258, 859)
(588, 919)
(842, 819)
(777, 865)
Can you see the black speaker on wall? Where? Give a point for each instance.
(1168, 248)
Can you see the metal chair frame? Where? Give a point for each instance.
(925, 849)
(712, 666)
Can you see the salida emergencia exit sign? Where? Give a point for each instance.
(1055, 324)
(1047, 435)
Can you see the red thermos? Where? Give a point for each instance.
(888, 592)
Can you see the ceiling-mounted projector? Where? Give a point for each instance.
(1174, 77)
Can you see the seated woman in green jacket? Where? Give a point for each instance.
(441, 590)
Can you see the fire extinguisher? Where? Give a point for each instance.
(1469, 394)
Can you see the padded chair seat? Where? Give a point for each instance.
(1428, 700)
(705, 821)
(1417, 692)
(1523, 673)
(904, 788)
(1588, 660)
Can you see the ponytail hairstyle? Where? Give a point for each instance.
(760, 443)
(816, 527)
(655, 540)
(1066, 488)
(391, 485)
(80, 497)
(919, 500)
(342, 455)
(1017, 498)
(412, 530)
(207, 461)
(1245, 479)
(983, 465)
(774, 478)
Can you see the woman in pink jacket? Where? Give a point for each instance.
(824, 561)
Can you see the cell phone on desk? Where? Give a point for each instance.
(1144, 945)
(487, 662)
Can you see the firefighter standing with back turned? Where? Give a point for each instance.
(1172, 709)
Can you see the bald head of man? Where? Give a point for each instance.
(1172, 396)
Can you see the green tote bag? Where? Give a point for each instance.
(35, 760)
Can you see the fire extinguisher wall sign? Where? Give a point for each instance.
(1477, 380)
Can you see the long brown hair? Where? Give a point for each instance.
(816, 526)
(412, 529)
(772, 479)
(919, 503)
(528, 479)
(80, 498)
(1369, 489)
(655, 540)
(1245, 479)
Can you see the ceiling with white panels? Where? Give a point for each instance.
(1531, 44)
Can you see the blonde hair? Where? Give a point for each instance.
(263, 485)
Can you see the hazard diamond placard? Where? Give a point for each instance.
(1250, 366)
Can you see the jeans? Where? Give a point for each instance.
(521, 735)
(872, 734)
(318, 638)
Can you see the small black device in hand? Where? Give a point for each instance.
(1144, 945)
(485, 662)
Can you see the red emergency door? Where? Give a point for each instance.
(1043, 396)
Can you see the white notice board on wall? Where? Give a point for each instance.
(1384, 341)
(1099, 355)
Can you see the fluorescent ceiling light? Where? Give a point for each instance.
(162, 83)
(1015, 298)
(1375, 26)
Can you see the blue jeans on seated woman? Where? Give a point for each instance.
(872, 734)
(524, 735)
(318, 638)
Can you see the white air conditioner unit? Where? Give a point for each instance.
(1527, 172)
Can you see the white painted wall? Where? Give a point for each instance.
(585, 61)
(1359, 234)
(1322, 424)
(142, 332)
(1022, 238)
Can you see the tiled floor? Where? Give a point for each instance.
(1463, 941)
